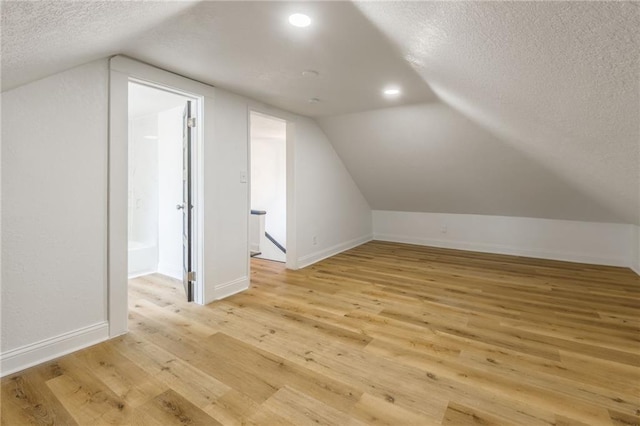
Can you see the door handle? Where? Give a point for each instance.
(179, 206)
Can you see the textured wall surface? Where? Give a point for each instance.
(330, 205)
(54, 176)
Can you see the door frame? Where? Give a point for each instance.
(123, 70)
(189, 209)
(291, 254)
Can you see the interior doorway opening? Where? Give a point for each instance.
(160, 211)
(268, 220)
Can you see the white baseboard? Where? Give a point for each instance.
(312, 258)
(229, 288)
(36, 353)
(574, 241)
(501, 249)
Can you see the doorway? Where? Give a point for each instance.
(160, 212)
(268, 157)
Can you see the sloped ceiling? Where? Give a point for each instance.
(243, 46)
(549, 92)
(508, 108)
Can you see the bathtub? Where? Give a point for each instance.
(143, 258)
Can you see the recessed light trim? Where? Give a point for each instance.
(299, 20)
(310, 73)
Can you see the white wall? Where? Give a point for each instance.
(226, 198)
(269, 184)
(143, 181)
(170, 192)
(155, 188)
(588, 242)
(54, 177)
(54, 210)
(330, 206)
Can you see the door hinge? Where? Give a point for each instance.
(191, 276)
(191, 122)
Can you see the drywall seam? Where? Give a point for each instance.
(312, 258)
(35, 353)
(230, 288)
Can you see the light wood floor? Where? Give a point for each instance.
(383, 334)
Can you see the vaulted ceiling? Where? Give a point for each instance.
(507, 108)
(246, 47)
(550, 96)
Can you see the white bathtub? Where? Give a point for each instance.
(143, 258)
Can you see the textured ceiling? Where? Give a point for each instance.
(40, 38)
(512, 108)
(556, 83)
(246, 47)
(431, 158)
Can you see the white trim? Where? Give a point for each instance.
(230, 288)
(117, 244)
(312, 258)
(290, 162)
(292, 230)
(503, 249)
(163, 78)
(36, 353)
(123, 70)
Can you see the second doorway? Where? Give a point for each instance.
(268, 220)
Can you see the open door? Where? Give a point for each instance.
(188, 272)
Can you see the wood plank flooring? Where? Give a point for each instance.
(384, 334)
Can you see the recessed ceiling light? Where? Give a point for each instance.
(392, 91)
(310, 73)
(151, 137)
(314, 100)
(299, 20)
